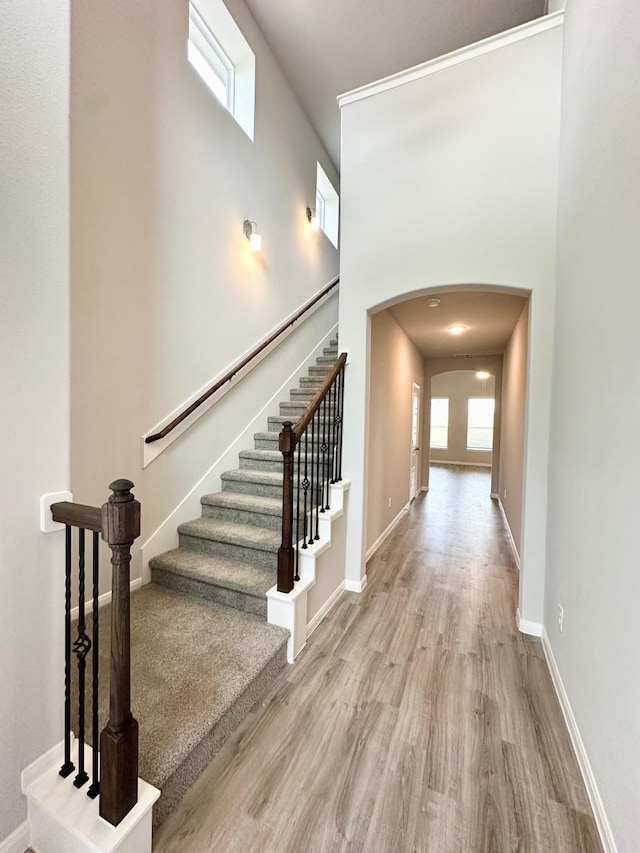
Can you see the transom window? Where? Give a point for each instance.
(209, 59)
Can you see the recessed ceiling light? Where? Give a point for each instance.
(433, 303)
(482, 374)
(457, 329)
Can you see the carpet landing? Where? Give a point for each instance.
(197, 667)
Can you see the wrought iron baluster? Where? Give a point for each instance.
(68, 767)
(323, 452)
(318, 481)
(94, 788)
(305, 489)
(312, 489)
(81, 648)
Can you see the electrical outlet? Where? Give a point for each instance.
(561, 618)
(389, 503)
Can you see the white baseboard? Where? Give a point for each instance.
(512, 541)
(424, 489)
(356, 586)
(464, 464)
(602, 821)
(389, 529)
(103, 600)
(324, 610)
(525, 626)
(18, 841)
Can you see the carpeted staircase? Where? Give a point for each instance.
(202, 651)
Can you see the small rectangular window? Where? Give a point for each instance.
(221, 55)
(327, 206)
(480, 423)
(209, 59)
(439, 423)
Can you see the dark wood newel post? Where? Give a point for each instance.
(119, 738)
(288, 441)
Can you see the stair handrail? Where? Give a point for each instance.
(240, 365)
(115, 768)
(323, 413)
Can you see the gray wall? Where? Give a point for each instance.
(514, 390)
(34, 382)
(458, 386)
(594, 471)
(396, 364)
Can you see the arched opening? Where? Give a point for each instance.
(482, 374)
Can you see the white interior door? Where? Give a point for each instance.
(415, 435)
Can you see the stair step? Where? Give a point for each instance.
(276, 422)
(267, 484)
(319, 370)
(197, 669)
(330, 351)
(311, 381)
(299, 407)
(241, 542)
(229, 582)
(244, 509)
(328, 360)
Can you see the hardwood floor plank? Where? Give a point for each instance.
(417, 718)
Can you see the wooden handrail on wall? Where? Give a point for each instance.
(229, 375)
(115, 775)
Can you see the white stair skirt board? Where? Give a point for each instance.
(63, 819)
(290, 609)
(18, 841)
(533, 629)
(602, 821)
(386, 532)
(512, 542)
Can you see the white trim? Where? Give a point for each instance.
(512, 541)
(388, 530)
(152, 451)
(103, 600)
(533, 629)
(18, 841)
(44, 763)
(329, 604)
(456, 57)
(424, 489)
(602, 821)
(464, 464)
(355, 586)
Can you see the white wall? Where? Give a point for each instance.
(451, 179)
(396, 363)
(457, 386)
(165, 292)
(512, 443)
(34, 382)
(594, 496)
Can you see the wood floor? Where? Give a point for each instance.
(416, 719)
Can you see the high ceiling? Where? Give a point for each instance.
(489, 319)
(329, 47)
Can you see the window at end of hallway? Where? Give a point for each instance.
(480, 423)
(327, 206)
(220, 54)
(439, 423)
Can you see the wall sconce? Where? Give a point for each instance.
(251, 233)
(312, 216)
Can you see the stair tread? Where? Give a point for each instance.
(246, 535)
(192, 660)
(268, 478)
(241, 576)
(238, 500)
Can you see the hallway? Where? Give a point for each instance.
(417, 718)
